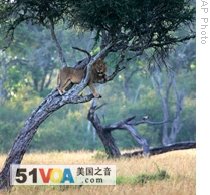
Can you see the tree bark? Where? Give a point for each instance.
(106, 137)
(158, 85)
(128, 77)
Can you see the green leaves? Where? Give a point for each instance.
(133, 25)
(112, 15)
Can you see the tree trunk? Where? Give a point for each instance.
(3, 78)
(49, 79)
(3, 92)
(169, 133)
(176, 125)
(165, 109)
(109, 143)
(105, 136)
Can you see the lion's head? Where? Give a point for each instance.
(100, 67)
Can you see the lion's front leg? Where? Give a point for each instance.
(92, 88)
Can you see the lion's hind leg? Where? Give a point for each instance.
(67, 85)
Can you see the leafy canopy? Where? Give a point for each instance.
(133, 24)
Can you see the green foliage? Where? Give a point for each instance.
(158, 176)
(100, 155)
(144, 178)
(133, 24)
(130, 15)
(95, 14)
(10, 122)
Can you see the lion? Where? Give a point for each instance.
(68, 76)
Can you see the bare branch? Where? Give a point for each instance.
(173, 41)
(103, 132)
(59, 48)
(84, 51)
(82, 63)
(130, 121)
(139, 139)
(78, 99)
(98, 107)
(9, 37)
(147, 122)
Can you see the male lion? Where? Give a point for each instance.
(68, 76)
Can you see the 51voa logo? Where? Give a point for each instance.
(62, 174)
(43, 176)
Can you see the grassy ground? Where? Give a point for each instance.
(176, 174)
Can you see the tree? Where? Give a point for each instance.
(169, 136)
(105, 132)
(10, 76)
(165, 85)
(122, 26)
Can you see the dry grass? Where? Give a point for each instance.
(180, 165)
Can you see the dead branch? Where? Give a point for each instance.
(130, 121)
(84, 51)
(147, 122)
(164, 149)
(127, 124)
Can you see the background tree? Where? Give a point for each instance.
(179, 61)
